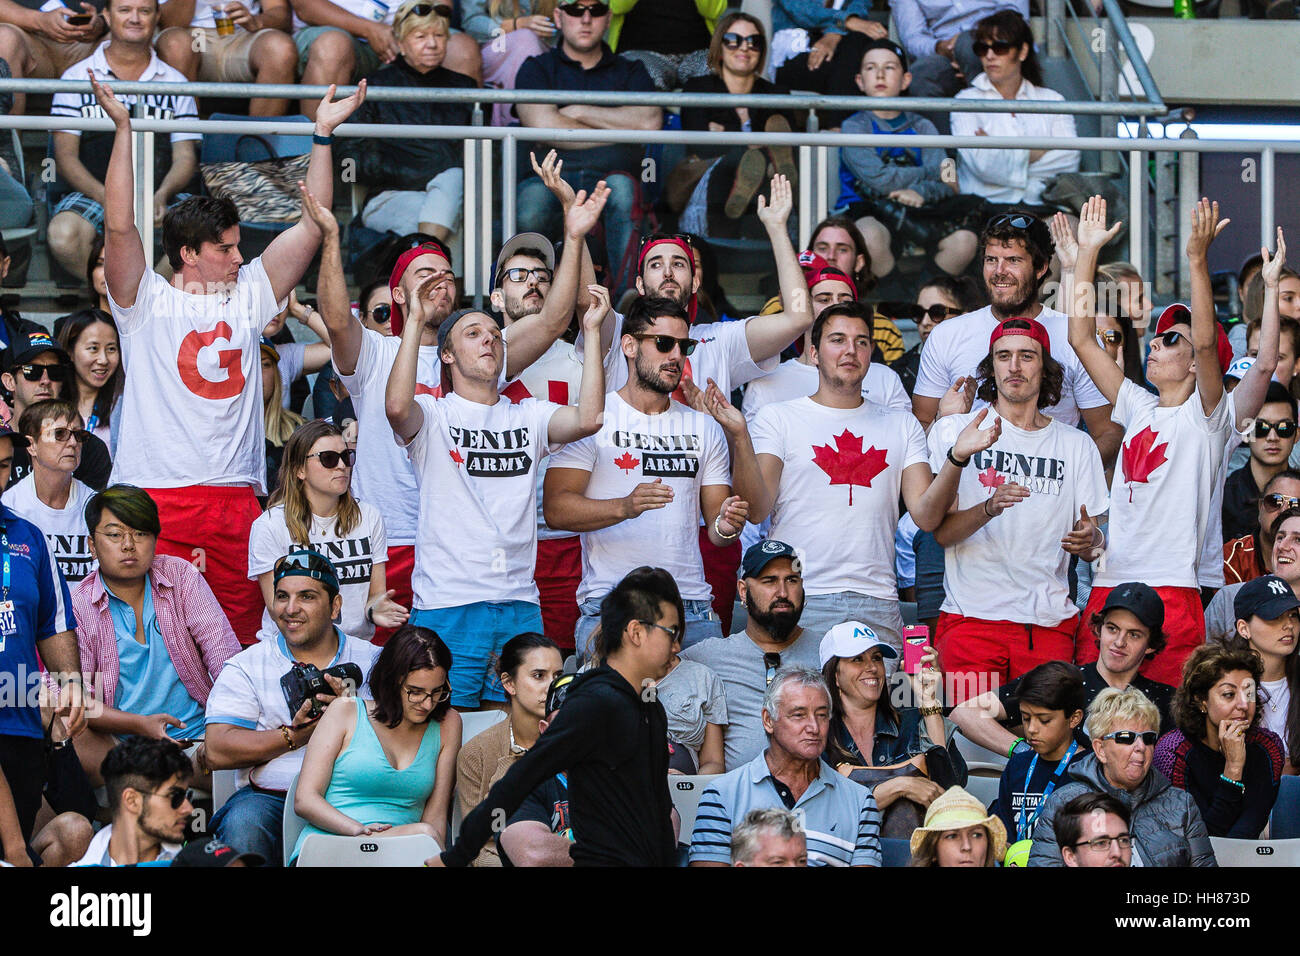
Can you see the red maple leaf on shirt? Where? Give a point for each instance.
(991, 479)
(847, 463)
(455, 456)
(1141, 457)
(626, 461)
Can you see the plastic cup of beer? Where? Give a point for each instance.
(221, 16)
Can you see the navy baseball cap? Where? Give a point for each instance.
(884, 43)
(762, 554)
(1268, 598)
(214, 853)
(18, 438)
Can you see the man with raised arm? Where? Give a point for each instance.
(192, 421)
(363, 358)
(476, 455)
(1173, 449)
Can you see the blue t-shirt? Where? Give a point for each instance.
(42, 608)
(1015, 791)
(147, 679)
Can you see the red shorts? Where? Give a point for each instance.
(208, 525)
(978, 656)
(1184, 631)
(721, 569)
(397, 577)
(559, 569)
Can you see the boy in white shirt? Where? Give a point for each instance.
(1173, 453)
(192, 421)
(1031, 501)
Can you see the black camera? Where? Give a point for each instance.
(304, 681)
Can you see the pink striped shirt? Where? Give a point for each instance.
(195, 631)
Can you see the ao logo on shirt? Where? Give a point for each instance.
(187, 363)
(492, 454)
(662, 456)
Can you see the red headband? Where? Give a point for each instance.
(1036, 331)
(431, 248)
(691, 305)
(1181, 313)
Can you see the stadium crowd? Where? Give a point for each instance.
(1022, 594)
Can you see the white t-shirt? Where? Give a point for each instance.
(353, 556)
(844, 532)
(383, 475)
(793, 379)
(684, 448)
(1274, 710)
(65, 530)
(192, 406)
(722, 355)
(247, 694)
(291, 361)
(476, 468)
(1160, 494)
(555, 377)
(97, 851)
(963, 342)
(1014, 568)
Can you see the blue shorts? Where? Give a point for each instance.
(475, 634)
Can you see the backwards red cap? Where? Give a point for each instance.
(1178, 312)
(1036, 331)
(691, 306)
(428, 247)
(816, 269)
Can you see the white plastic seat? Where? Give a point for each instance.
(975, 753)
(410, 850)
(224, 785)
(686, 792)
(1256, 852)
(472, 724)
(983, 783)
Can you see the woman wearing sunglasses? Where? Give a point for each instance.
(1166, 827)
(386, 767)
(314, 507)
(728, 178)
(1272, 438)
(509, 32)
(1005, 45)
(1220, 752)
(941, 298)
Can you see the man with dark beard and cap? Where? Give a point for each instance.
(771, 588)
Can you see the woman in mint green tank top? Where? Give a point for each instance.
(386, 767)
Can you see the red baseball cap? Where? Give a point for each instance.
(428, 247)
(816, 269)
(1178, 312)
(1035, 330)
(692, 306)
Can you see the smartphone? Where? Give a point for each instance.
(79, 20)
(915, 638)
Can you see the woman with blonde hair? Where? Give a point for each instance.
(280, 421)
(958, 831)
(313, 507)
(509, 32)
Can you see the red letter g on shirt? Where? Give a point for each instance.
(187, 363)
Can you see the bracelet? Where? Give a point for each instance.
(1011, 750)
(370, 613)
(288, 737)
(1236, 783)
(956, 461)
(320, 140)
(986, 508)
(931, 711)
(727, 537)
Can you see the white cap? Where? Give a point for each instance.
(1239, 368)
(851, 639)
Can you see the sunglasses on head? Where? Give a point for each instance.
(661, 236)
(734, 41)
(62, 434)
(576, 10)
(1016, 220)
(1285, 428)
(331, 458)
(34, 373)
(665, 343)
(381, 314)
(426, 9)
(313, 564)
(1000, 47)
(1129, 737)
(1276, 501)
(1110, 336)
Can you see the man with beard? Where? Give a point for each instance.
(655, 468)
(771, 588)
(1016, 249)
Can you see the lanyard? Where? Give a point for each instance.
(1024, 826)
(4, 543)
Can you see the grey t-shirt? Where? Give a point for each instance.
(693, 698)
(1220, 618)
(738, 663)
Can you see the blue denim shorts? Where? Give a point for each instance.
(475, 634)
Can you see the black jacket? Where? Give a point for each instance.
(613, 744)
(408, 163)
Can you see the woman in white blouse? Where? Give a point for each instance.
(1005, 45)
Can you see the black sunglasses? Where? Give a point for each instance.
(1170, 339)
(665, 343)
(381, 314)
(1285, 428)
(1015, 220)
(175, 796)
(772, 661)
(1275, 501)
(425, 9)
(331, 458)
(734, 41)
(576, 10)
(1129, 737)
(34, 373)
(1000, 47)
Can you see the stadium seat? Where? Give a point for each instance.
(686, 792)
(983, 783)
(291, 825)
(409, 850)
(1256, 852)
(896, 852)
(976, 754)
(224, 785)
(472, 724)
(1284, 822)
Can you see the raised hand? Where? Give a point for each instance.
(114, 108)
(647, 496)
(731, 418)
(331, 113)
(1067, 248)
(958, 399)
(324, 219)
(732, 516)
(1093, 233)
(549, 171)
(1232, 741)
(597, 310)
(774, 212)
(972, 439)
(1271, 270)
(582, 215)
(432, 299)
(1083, 538)
(1206, 227)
